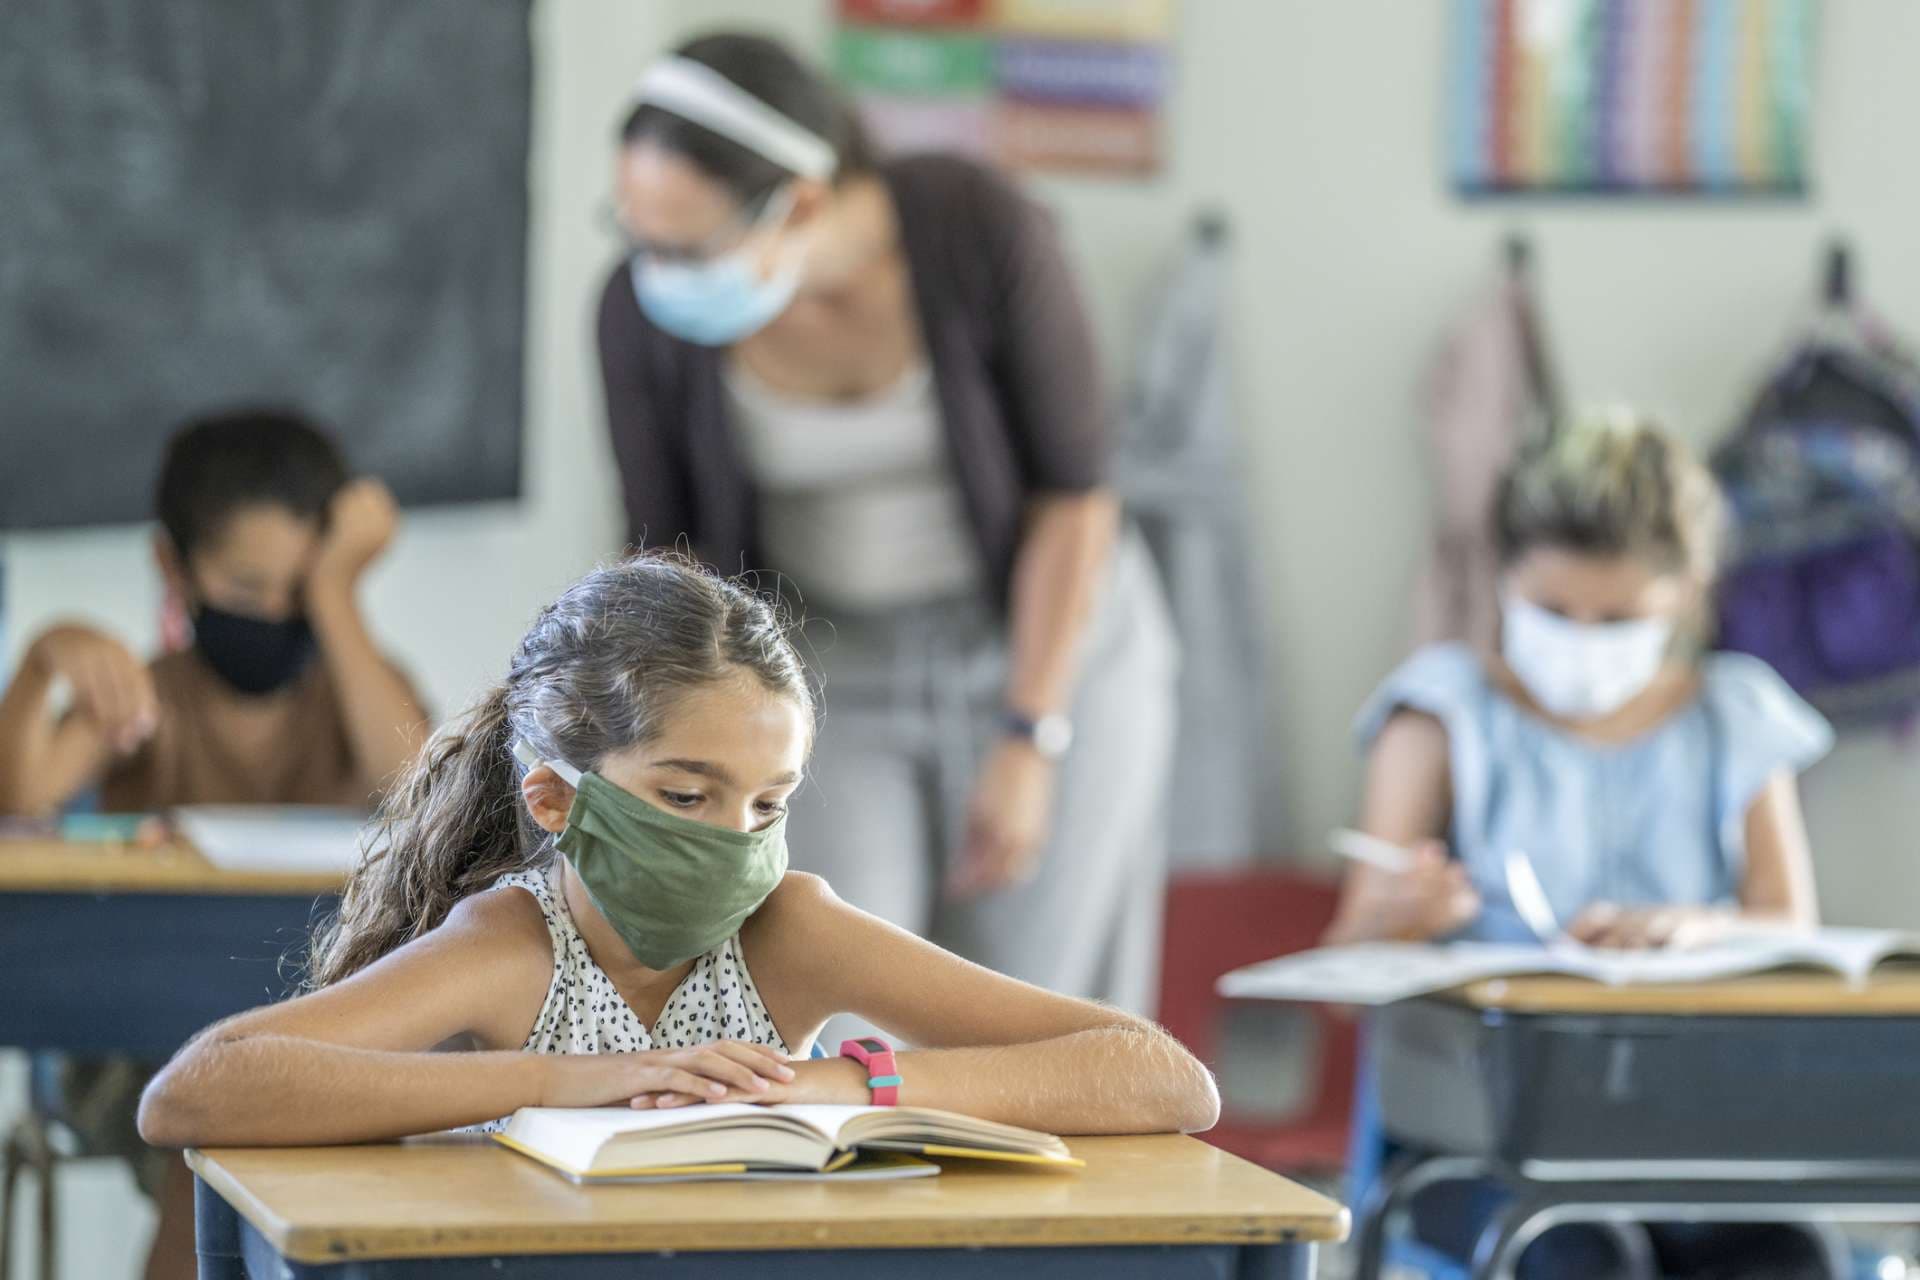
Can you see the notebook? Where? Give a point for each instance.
(739, 1140)
(273, 837)
(1378, 973)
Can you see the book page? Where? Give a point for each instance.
(1378, 973)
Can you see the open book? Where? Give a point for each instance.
(739, 1140)
(1377, 973)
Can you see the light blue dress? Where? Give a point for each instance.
(1660, 819)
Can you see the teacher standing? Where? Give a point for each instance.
(875, 379)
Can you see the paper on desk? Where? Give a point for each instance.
(291, 838)
(1378, 973)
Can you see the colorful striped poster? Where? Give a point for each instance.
(1630, 96)
(1040, 84)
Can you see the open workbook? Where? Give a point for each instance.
(1378, 973)
(737, 1140)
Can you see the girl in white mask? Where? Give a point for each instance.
(1651, 784)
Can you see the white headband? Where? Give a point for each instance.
(699, 93)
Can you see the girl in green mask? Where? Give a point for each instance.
(580, 898)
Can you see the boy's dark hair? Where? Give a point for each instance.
(237, 458)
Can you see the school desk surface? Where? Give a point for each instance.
(1165, 1207)
(1779, 1097)
(112, 949)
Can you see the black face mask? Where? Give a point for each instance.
(251, 654)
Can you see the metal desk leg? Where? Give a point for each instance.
(216, 1235)
(1497, 1254)
(1390, 1197)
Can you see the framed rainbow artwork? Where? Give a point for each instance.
(1630, 97)
(1063, 85)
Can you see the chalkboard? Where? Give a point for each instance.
(316, 203)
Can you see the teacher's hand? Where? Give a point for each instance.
(1006, 821)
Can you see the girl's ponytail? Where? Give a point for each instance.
(450, 827)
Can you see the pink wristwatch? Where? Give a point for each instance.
(883, 1077)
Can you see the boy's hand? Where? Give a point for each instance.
(110, 686)
(361, 521)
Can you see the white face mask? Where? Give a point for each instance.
(1581, 670)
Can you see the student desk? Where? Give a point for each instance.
(1779, 1097)
(1166, 1207)
(114, 949)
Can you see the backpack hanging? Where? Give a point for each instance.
(1823, 481)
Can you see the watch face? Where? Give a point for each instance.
(1053, 735)
(871, 1045)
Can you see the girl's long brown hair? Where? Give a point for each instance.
(594, 676)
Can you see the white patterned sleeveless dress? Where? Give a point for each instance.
(585, 1013)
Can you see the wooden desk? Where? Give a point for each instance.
(59, 866)
(1155, 1206)
(115, 949)
(1893, 992)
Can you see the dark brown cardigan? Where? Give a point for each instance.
(1012, 355)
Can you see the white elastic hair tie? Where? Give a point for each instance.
(528, 757)
(700, 94)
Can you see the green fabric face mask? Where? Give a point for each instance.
(671, 887)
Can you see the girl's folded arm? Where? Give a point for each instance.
(986, 1044)
(355, 1061)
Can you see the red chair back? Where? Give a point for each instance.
(1220, 921)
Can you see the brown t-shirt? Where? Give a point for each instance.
(215, 745)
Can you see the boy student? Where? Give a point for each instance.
(282, 697)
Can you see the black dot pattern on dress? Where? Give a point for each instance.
(585, 1013)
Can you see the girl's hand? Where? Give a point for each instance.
(720, 1071)
(840, 1081)
(1431, 899)
(1607, 924)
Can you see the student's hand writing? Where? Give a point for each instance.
(840, 1081)
(110, 685)
(1006, 821)
(1429, 900)
(1607, 924)
(719, 1071)
(361, 521)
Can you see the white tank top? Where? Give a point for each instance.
(585, 1013)
(859, 503)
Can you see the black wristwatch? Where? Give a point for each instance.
(1051, 735)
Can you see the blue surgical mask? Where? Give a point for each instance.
(719, 301)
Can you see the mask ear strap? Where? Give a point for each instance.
(530, 758)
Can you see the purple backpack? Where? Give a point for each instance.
(1823, 479)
